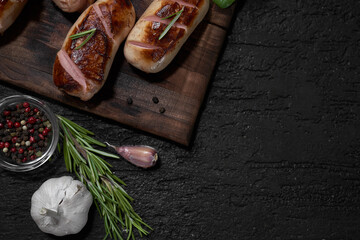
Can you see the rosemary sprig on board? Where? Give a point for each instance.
(177, 15)
(90, 33)
(111, 200)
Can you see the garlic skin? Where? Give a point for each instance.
(61, 206)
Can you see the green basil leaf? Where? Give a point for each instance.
(224, 3)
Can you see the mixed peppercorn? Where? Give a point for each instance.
(24, 133)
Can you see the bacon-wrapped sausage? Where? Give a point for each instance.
(73, 5)
(82, 72)
(9, 11)
(143, 48)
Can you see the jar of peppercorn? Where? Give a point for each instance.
(29, 133)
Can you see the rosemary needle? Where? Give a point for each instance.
(171, 23)
(171, 15)
(90, 33)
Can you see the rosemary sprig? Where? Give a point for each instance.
(177, 15)
(111, 200)
(91, 33)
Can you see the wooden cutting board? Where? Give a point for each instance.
(28, 49)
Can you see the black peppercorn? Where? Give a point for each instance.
(162, 110)
(6, 139)
(155, 100)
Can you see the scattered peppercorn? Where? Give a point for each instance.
(129, 100)
(24, 132)
(162, 110)
(155, 100)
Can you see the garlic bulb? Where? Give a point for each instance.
(61, 206)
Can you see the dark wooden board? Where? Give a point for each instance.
(29, 46)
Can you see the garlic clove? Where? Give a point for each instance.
(139, 155)
(61, 205)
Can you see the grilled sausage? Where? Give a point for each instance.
(73, 5)
(144, 50)
(9, 11)
(83, 72)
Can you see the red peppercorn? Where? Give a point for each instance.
(46, 131)
(32, 139)
(36, 110)
(2, 144)
(41, 136)
(10, 124)
(28, 109)
(21, 150)
(17, 124)
(31, 120)
(30, 148)
(14, 139)
(13, 149)
(6, 113)
(26, 104)
(24, 159)
(33, 157)
(31, 131)
(7, 144)
(1, 125)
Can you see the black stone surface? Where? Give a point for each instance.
(275, 154)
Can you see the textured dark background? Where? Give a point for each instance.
(275, 153)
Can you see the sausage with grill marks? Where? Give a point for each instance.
(73, 5)
(9, 11)
(144, 50)
(82, 72)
